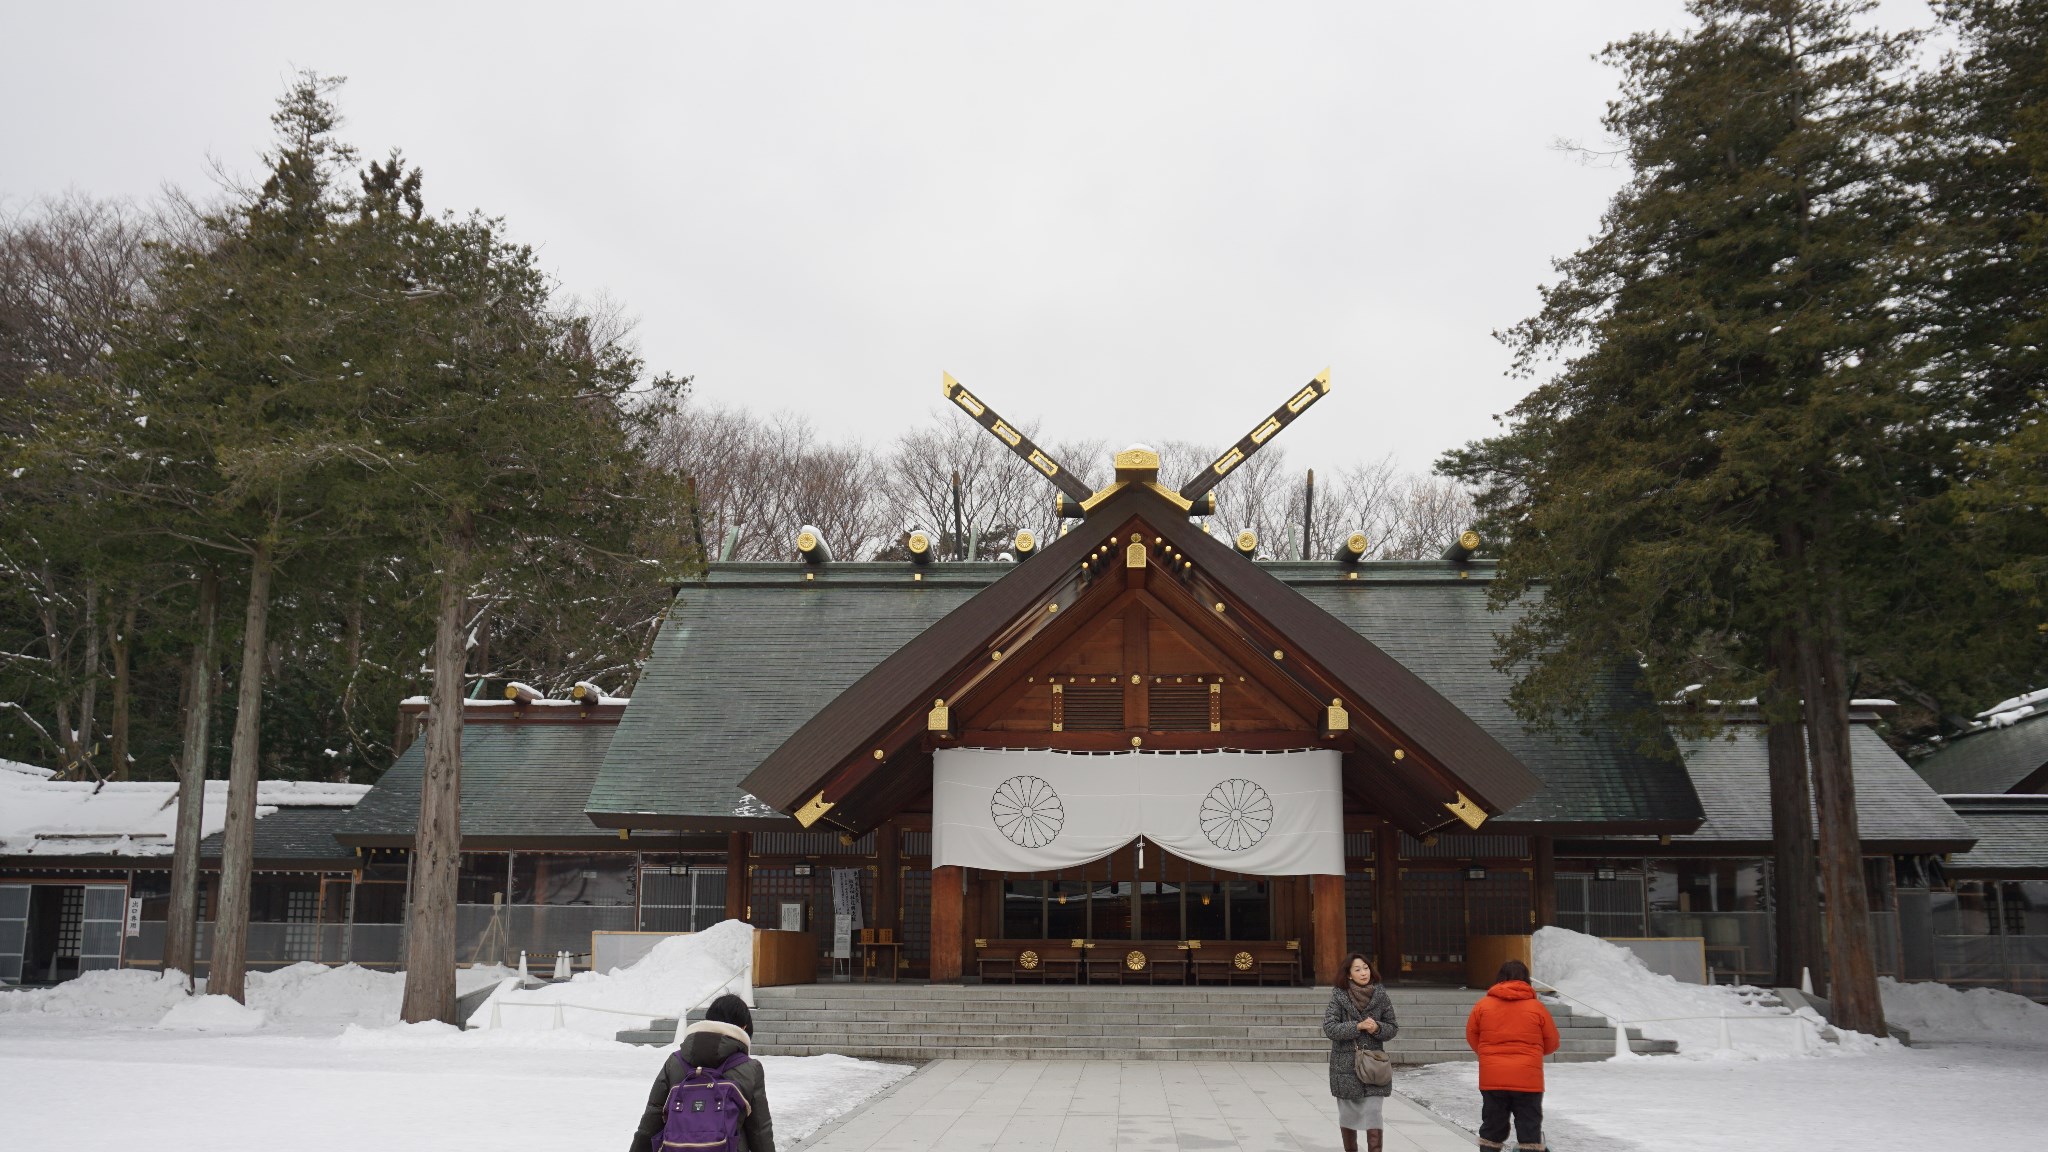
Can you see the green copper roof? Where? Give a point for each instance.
(519, 779)
(752, 652)
(1990, 760)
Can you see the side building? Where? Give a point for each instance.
(1988, 916)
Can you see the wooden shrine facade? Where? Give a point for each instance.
(1138, 631)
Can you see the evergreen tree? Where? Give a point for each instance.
(256, 420)
(510, 457)
(1698, 483)
(1980, 300)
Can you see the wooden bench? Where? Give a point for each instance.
(1245, 962)
(1027, 961)
(1137, 962)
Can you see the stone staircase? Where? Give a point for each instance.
(1057, 1022)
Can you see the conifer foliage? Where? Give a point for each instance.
(1698, 483)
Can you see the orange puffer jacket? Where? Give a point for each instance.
(1512, 1032)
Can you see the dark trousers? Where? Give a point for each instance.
(1495, 1106)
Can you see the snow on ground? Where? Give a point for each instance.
(1971, 1081)
(318, 1061)
(1604, 979)
(1938, 1013)
(677, 974)
(1945, 1097)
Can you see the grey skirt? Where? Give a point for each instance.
(1363, 1114)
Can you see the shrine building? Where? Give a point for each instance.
(1134, 753)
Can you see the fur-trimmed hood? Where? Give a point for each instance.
(708, 1042)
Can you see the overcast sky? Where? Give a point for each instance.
(1120, 222)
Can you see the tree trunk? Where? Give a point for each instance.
(238, 839)
(437, 847)
(121, 645)
(1852, 971)
(78, 741)
(1795, 893)
(181, 933)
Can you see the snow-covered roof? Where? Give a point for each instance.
(2014, 710)
(40, 816)
(2006, 750)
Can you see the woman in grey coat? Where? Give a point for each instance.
(1359, 1015)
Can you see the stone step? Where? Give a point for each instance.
(1176, 992)
(1252, 1030)
(846, 1041)
(1066, 1022)
(1126, 1013)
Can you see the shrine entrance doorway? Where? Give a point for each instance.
(1139, 915)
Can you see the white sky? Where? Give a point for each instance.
(1125, 222)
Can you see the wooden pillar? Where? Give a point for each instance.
(948, 890)
(1387, 898)
(1542, 852)
(888, 873)
(736, 875)
(1328, 921)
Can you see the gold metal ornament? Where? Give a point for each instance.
(1028, 960)
(1464, 809)
(1135, 960)
(1242, 961)
(813, 810)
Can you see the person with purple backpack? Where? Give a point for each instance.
(711, 1095)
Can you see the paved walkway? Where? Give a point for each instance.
(1153, 1105)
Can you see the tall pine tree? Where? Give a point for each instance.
(1695, 485)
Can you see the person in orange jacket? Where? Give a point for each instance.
(1512, 1032)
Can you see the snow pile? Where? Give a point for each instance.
(1611, 981)
(309, 991)
(680, 972)
(118, 994)
(1937, 1012)
(303, 993)
(211, 1014)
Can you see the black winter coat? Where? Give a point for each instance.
(705, 1046)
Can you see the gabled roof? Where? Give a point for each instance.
(1447, 753)
(2010, 757)
(2012, 837)
(1895, 810)
(751, 651)
(522, 781)
(292, 838)
(1435, 619)
(744, 659)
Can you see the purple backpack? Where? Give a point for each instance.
(704, 1109)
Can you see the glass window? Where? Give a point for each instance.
(1109, 906)
(591, 879)
(380, 903)
(1023, 909)
(1967, 911)
(1066, 909)
(1159, 910)
(1251, 909)
(1207, 916)
(482, 877)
